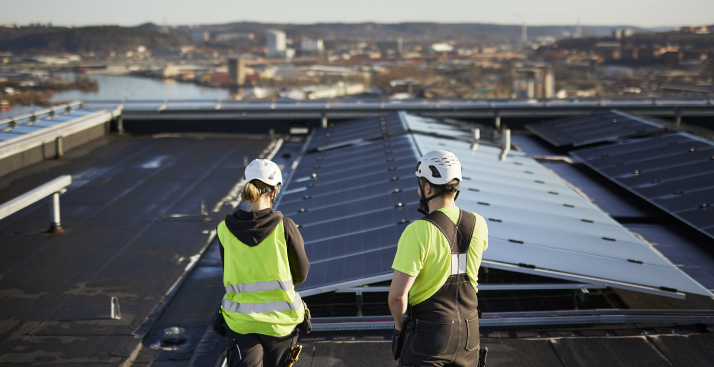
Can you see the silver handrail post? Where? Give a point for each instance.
(55, 222)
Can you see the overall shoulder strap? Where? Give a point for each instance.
(466, 225)
(459, 235)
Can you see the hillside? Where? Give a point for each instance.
(414, 31)
(101, 39)
(689, 41)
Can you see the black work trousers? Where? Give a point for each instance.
(256, 350)
(414, 355)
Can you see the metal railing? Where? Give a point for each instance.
(53, 188)
(358, 103)
(40, 113)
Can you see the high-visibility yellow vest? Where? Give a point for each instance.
(260, 297)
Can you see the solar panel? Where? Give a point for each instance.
(674, 172)
(595, 128)
(352, 203)
(536, 223)
(365, 129)
(432, 127)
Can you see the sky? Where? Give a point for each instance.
(641, 13)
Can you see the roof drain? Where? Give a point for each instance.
(174, 335)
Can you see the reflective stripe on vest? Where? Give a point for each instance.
(458, 263)
(278, 306)
(259, 286)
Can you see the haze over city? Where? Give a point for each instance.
(640, 13)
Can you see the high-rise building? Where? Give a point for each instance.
(533, 81)
(617, 34)
(236, 71)
(275, 41)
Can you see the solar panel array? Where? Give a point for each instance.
(674, 172)
(27, 125)
(356, 131)
(534, 218)
(352, 204)
(595, 128)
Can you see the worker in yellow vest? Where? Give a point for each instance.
(263, 257)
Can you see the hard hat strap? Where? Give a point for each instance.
(423, 206)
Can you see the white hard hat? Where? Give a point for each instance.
(439, 167)
(265, 171)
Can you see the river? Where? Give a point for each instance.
(127, 87)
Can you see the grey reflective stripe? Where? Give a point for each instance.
(259, 286)
(458, 263)
(263, 307)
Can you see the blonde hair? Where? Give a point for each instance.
(250, 190)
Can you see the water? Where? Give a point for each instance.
(118, 87)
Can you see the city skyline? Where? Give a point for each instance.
(638, 13)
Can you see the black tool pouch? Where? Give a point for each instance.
(219, 324)
(306, 325)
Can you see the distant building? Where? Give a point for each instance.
(236, 71)
(311, 45)
(387, 45)
(532, 81)
(608, 50)
(617, 34)
(618, 72)
(234, 36)
(441, 47)
(341, 89)
(200, 36)
(621, 33)
(696, 30)
(275, 42)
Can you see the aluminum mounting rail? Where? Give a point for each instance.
(576, 317)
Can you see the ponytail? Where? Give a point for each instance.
(250, 192)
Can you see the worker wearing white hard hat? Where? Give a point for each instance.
(263, 258)
(433, 293)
